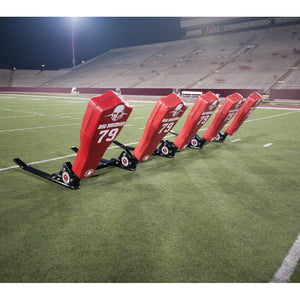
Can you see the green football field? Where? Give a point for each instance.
(227, 213)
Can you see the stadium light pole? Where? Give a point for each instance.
(73, 45)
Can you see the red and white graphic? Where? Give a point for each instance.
(118, 113)
(177, 110)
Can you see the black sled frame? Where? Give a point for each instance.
(67, 178)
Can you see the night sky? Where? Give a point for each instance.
(30, 42)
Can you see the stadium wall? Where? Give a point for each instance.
(274, 93)
(54, 90)
(284, 94)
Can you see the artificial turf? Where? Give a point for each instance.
(226, 213)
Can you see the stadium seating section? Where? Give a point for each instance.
(258, 59)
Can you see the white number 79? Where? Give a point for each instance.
(111, 134)
(166, 127)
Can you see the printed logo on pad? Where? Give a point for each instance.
(213, 105)
(177, 110)
(118, 113)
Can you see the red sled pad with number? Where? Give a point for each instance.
(103, 120)
(244, 112)
(163, 118)
(198, 116)
(227, 110)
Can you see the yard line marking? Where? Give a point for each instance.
(42, 127)
(143, 108)
(289, 263)
(280, 107)
(273, 116)
(23, 111)
(113, 147)
(52, 126)
(139, 118)
(33, 99)
(268, 145)
(8, 168)
(61, 157)
(142, 127)
(49, 96)
(36, 99)
(237, 140)
(143, 101)
(70, 101)
(18, 117)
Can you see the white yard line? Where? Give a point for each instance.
(43, 96)
(19, 117)
(70, 101)
(273, 116)
(279, 108)
(237, 140)
(42, 127)
(63, 157)
(139, 118)
(8, 168)
(23, 111)
(289, 263)
(267, 145)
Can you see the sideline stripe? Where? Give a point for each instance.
(43, 96)
(12, 167)
(280, 107)
(289, 264)
(62, 157)
(20, 129)
(52, 126)
(18, 117)
(268, 145)
(273, 116)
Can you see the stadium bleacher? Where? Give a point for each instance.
(4, 77)
(250, 59)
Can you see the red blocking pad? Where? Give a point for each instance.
(103, 120)
(167, 111)
(244, 112)
(198, 116)
(227, 110)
